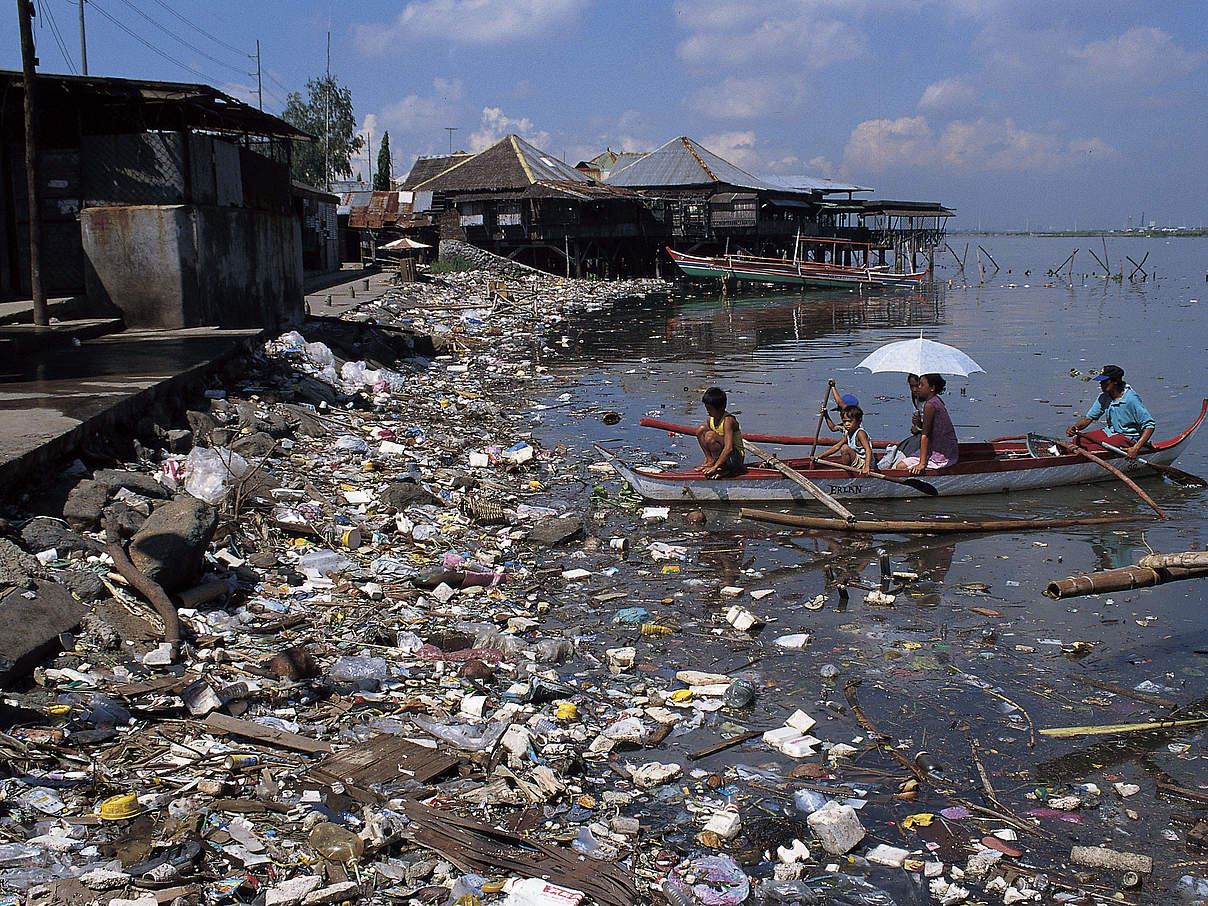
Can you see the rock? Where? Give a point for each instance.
(401, 494)
(30, 627)
(171, 545)
(552, 532)
(254, 446)
(121, 518)
(201, 424)
(82, 510)
(84, 584)
(178, 440)
(139, 482)
(336, 893)
(104, 879)
(220, 437)
(291, 892)
(45, 532)
(17, 568)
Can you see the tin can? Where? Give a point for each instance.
(620, 545)
(240, 762)
(345, 537)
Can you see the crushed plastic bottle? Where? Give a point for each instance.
(739, 694)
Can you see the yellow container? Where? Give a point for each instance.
(567, 711)
(121, 807)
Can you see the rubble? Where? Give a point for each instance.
(414, 667)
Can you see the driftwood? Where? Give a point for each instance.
(1068, 732)
(923, 526)
(1122, 579)
(149, 589)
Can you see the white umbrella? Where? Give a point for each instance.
(920, 357)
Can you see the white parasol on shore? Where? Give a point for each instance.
(920, 356)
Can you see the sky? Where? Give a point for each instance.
(1018, 114)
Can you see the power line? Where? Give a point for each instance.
(192, 47)
(197, 28)
(54, 29)
(147, 44)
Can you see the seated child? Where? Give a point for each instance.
(720, 437)
(855, 449)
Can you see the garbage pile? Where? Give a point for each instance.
(408, 669)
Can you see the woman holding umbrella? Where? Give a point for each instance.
(937, 442)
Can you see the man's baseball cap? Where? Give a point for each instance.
(1110, 372)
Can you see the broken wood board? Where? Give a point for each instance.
(473, 846)
(382, 759)
(222, 723)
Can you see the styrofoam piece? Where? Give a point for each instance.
(725, 823)
(837, 828)
(799, 747)
(800, 721)
(775, 737)
(884, 854)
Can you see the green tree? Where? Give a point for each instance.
(381, 179)
(326, 113)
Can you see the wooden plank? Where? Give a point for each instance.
(384, 758)
(222, 723)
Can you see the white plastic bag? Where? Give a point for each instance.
(208, 472)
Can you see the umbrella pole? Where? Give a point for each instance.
(830, 386)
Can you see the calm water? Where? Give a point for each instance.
(773, 354)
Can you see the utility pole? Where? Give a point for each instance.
(25, 13)
(83, 43)
(259, 86)
(327, 121)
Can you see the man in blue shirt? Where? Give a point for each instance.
(1129, 424)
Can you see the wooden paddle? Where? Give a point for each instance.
(830, 386)
(1177, 475)
(1099, 461)
(793, 475)
(917, 483)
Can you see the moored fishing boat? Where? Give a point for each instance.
(850, 265)
(1005, 464)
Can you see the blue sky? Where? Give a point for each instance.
(1016, 113)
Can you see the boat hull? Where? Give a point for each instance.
(767, 270)
(987, 468)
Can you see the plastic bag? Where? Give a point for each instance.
(464, 736)
(359, 669)
(208, 472)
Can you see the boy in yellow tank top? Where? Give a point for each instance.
(720, 437)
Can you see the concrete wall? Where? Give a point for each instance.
(173, 266)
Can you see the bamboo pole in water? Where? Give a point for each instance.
(1123, 579)
(923, 526)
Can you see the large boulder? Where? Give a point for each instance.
(138, 482)
(82, 509)
(45, 532)
(171, 544)
(30, 626)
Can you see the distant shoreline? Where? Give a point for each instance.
(1119, 234)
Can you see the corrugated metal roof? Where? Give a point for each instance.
(812, 184)
(683, 162)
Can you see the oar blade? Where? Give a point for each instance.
(919, 485)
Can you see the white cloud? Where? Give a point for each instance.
(746, 98)
(948, 94)
(799, 32)
(496, 124)
(736, 147)
(468, 22)
(823, 167)
(966, 146)
(422, 112)
(1140, 57)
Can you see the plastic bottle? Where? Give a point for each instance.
(336, 843)
(808, 801)
(739, 694)
(886, 570)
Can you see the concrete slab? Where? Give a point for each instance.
(50, 400)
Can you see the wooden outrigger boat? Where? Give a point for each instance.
(849, 265)
(1004, 464)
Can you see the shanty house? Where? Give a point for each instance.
(166, 202)
(516, 200)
